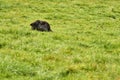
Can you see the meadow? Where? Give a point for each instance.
(84, 44)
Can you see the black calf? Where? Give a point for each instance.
(40, 26)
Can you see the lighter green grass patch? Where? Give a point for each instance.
(84, 44)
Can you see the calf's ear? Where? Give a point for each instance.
(31, 24)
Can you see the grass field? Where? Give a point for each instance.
(84, 44)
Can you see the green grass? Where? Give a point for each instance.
(84, 44)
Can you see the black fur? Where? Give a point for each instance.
(40, 26)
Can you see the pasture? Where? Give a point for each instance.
(84, 44)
